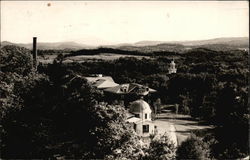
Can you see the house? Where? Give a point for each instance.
(139, 117)
(130, 88)
(101, 82)
(119, 93)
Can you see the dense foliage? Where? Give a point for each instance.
(160, 149)
(55, 112)
(15, 60)
(193, 148)
(141, 51)
(199, 87)
(58, 116)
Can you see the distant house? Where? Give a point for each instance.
(130, 88)
(101, 82)
(139, 117)
(119, 93)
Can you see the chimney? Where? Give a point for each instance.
(34, 53)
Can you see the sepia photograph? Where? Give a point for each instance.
(124, 80)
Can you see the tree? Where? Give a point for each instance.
(184, 104)
(157, 106)
(193, 148)
(113, 137)
(65, 120)
(15, 59)
(232, 116)
(160, 149)
(20, 121)
(59, 58)
(15, 64)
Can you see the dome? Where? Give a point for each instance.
(139, 106)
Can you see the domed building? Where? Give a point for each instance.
(141, 118)
(140, 109)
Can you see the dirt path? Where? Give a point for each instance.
(166, 128)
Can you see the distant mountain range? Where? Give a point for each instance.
(50, 46)
(235, 41)
(216, 44)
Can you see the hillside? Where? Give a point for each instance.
(235, 41)
(155, 48)
(218, 44)
(50, 46)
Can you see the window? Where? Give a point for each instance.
(145, 128)
(135, 127)
(124, 88)
(146, 116)
(137, 115)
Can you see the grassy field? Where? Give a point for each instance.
(84, 58)
(47, 59)
(184, 125)
(103, 56)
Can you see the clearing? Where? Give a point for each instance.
(83, 58)
(102, 56)
(183, 125)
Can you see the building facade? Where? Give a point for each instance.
(141, 119)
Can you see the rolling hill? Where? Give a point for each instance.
(50, 46)
(229, 43)
(235, 41)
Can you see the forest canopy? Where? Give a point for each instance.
(54, 112)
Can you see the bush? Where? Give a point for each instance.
(160, 149)
(15, 60)
(193, 148)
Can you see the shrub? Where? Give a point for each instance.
(160, 149)
(193, 148)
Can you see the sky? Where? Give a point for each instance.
(113, 22)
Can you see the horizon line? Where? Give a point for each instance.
(114, 43)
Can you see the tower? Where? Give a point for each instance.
(34, 53)
(172, 68)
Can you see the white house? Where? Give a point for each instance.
(141, 120)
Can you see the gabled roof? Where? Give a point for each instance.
(95, 78)
(102, 82)
(130, 88)
(139, 85)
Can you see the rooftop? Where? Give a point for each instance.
(130, 88)
(102, 82)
